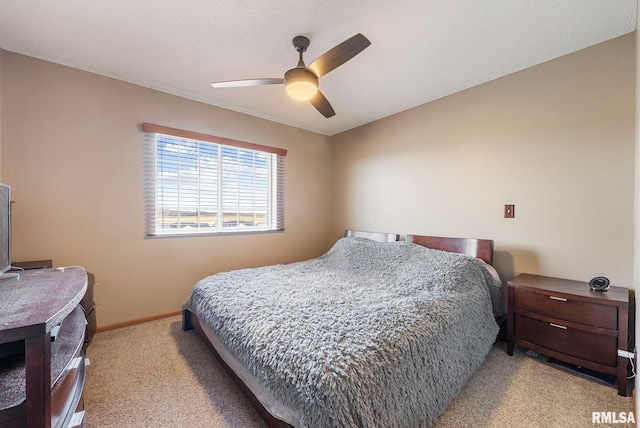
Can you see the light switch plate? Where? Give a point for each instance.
(509, 211)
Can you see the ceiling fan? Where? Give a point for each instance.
(301, 82)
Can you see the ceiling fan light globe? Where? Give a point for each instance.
(301, 91)
(300, 84)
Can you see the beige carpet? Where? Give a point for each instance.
(156, 375)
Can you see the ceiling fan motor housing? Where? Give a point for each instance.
(300, 83)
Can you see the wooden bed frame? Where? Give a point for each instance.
(480, 248)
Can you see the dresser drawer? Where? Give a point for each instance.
(578, 343)
(595, 315)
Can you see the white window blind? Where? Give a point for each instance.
(202, 184)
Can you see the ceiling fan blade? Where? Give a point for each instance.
(321, 104)
(339, 54)
(247, 82)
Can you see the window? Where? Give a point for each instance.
(202, 184)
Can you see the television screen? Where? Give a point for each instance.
(5, 228)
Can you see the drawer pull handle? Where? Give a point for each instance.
(557, 326)
(562, 299)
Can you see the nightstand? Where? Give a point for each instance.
(566, 320)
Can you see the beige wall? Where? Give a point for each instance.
(556, 140)
(73, 154)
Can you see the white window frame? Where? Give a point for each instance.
(212, 186)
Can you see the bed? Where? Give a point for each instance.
(376, 332)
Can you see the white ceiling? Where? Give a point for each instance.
(421, 50)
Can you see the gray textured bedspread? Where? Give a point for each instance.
(368, 335)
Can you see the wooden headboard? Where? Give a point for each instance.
(480, 248)
(374, 236)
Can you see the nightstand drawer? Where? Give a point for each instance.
(581, 344)
(570, 310)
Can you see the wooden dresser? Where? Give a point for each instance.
(566, 320)
(88, 306)
(42, 334)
